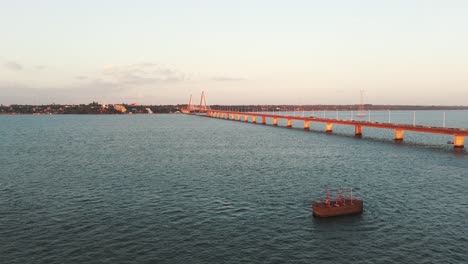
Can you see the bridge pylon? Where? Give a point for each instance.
(201, 108)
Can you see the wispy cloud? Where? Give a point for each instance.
(91, 90)
(227, 79)
(11, 65)
(150, 82)
(143, 73)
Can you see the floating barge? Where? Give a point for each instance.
(342, 205)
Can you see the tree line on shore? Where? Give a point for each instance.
(96, 108)
(93, 108)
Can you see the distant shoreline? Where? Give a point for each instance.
(118, 109)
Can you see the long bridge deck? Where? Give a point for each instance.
(459, 134)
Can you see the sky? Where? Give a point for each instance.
(238, 52)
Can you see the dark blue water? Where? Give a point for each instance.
(186, 189)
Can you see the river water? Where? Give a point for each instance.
(188, 189)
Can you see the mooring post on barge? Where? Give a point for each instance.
(340, 206)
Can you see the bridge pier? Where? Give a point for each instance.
(358, 131)
(329, 127)
(458, 141)
(399, 129)
(399, 134)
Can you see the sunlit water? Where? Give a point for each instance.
(187, 189)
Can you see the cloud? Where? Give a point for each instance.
(141, 74)
(13, 66)
(227, 79)
(143, 82)
(113, 83)
(88, 91)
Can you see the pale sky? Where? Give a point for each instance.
(238, 52)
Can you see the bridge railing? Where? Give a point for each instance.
(458, 133)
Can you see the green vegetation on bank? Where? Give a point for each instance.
(285, 108)
(95, 108)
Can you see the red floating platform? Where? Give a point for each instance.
(340, 206)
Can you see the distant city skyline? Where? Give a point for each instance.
(238, 52)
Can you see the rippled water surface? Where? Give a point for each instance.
(187, 189)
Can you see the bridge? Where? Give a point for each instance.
(459, 134)
(201, 108)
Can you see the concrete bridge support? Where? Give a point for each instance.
(458, 141)
(399, 134)
(358, 131)
(399, 129)
(329, 127)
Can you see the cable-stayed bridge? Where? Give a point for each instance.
(203, 109)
